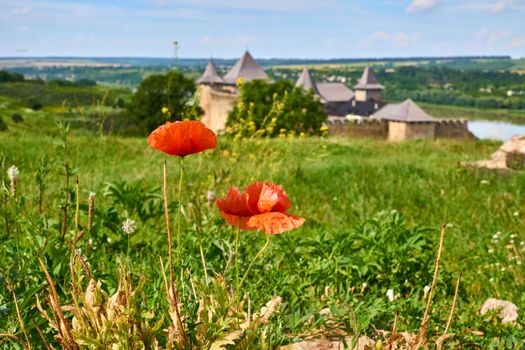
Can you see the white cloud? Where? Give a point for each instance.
(517, 42)
(24, 10)
(294, 6)
(421, 5)
(247, 40)
(399, 40)
(491, 6)
(206, 39)
(489, 38)
(506, 6)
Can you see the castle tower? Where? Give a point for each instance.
(307, 82)
(245, 68)
(368, 88)
(217, 95)
(215, 98)
(210, 75)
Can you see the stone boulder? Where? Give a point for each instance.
(508, 312)
(511, 155)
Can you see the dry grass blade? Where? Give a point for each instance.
(14, 337)
(21, 321)
(449, 322)
(63, 326)
(421, 337)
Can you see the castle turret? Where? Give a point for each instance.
(245, 68)
(368, 88)
(307, 82)
(210, 75)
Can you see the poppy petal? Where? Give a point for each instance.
(263, 197)
(237, 221)
(275, 222)
(182, 138)
(234, 203)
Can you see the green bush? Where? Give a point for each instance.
(172, 90)
(3, 125)
(17, 118)
(279, 104)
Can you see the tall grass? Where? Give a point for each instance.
(374, 211)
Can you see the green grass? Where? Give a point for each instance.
(456, 112)
(373, 212)
(48, 94)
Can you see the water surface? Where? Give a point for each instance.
(495, 130)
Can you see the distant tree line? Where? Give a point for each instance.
(433, 84)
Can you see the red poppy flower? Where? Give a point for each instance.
(262, 206)
(182, 138)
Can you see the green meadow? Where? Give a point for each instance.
(373, 209)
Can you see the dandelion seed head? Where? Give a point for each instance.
(128, 226)
(13, 172)
(390, 295)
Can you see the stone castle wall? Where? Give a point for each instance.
(399, 131)
(216, 102)
(396, 131)
(453, 129)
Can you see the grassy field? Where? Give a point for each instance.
(456, 112)
(373, 214)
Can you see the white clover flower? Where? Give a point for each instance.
(390, 295)
(495, 237)
(13, 172)
(511, 241)
(491, 251)
(522, 243)
(512, 236)
(491, 280)
(425, 291)
(485, 182)
(516, 213)
(364, 285)
(128, 226)
(92, 194)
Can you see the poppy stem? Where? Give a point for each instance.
(170, 259)
(237, 290)
(237, 252)
(179, 221)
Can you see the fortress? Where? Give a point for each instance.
(361, 112)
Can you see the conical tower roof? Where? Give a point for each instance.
(368, 81)
(307, 82)
(407, 111)
(246, 68)
(210, 75)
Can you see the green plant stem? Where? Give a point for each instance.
(127, 252)
(237, 290)
(179, 215)
(237, 252)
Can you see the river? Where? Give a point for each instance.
(495, 130)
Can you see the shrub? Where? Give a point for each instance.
(17, 118)
(280, 104)
(172, 90)
(34, 104)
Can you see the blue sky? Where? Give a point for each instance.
(269, 28)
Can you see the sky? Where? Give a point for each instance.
(268, 28)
